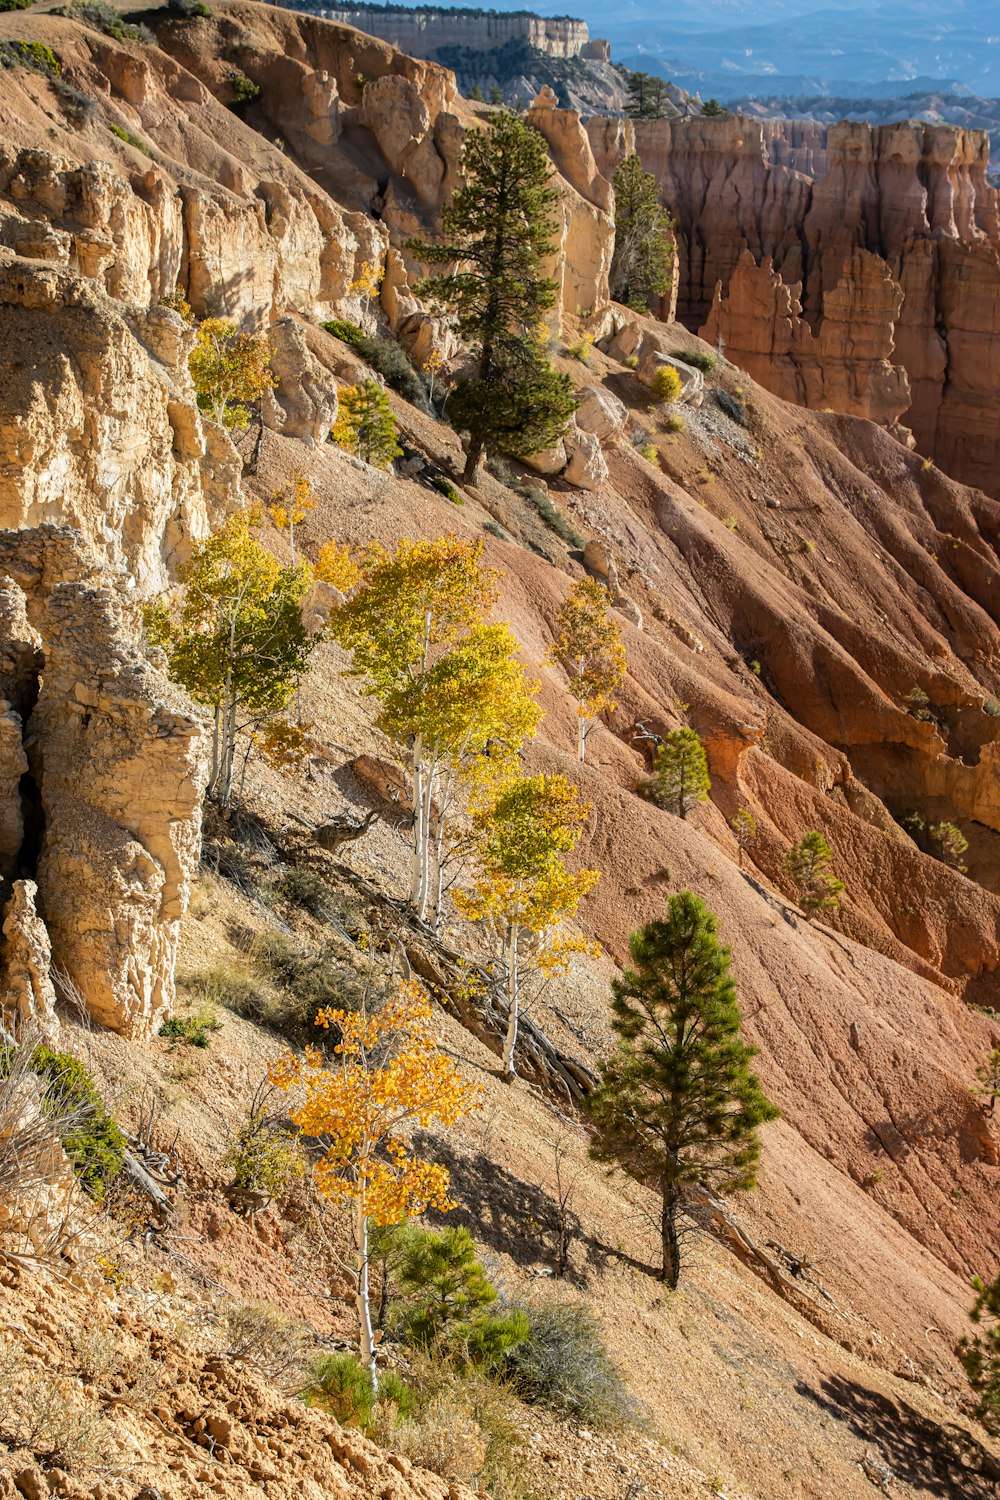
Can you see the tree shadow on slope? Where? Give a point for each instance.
(516, 1217)
(932, 1458)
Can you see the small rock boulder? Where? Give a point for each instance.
(602, 414)
(587, 468)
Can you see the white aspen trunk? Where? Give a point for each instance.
(228, 754)
(513, 1008)
(582, 739)
(418, 831)
(425, 852)
(362, 1297)
(213, 785)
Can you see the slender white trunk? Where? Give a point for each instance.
(582, 739)
(513, 1007)
(362, 1298)
(425, 852)
(418, 830)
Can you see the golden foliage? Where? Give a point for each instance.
(390, 1077)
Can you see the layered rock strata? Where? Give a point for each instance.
(890, 234)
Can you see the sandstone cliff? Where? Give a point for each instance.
(806, 200)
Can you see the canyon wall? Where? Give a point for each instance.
(803, 201)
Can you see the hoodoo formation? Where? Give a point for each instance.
(499, 812)
(854, 267)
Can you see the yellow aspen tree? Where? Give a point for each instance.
(451, 688)
(389, 1077)
(230, 370)
(471, 712)
(366, 284)
(290, 506)
(523, 892)
(432, 367)
(588, 646)
(235, 638)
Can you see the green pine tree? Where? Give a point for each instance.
(639, 98)
(366, 425)
(443, 1297)
(980, 1355)
(643, 261)
(807, 866)
(677, 1105)
(681, 772)
(713, 108)
(497, 230)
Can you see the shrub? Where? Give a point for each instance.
(193, 1029)
(92, 1140)
(445, 487)
(243, 89)
(732, 406)
(446, 1439)
(177, 302)
(674, 422)
(33, 1121)
(131, 140)
(30, 55)
(189, 9)
(667, 384)
(311, 980)
(102, 17)
(563, 1364)
(346, 332)
(582, 349)
(395, 367)
(342, 1386)
(550, 513)
(15, 4)
(46, 1417)
(261, 1334)
(948, 843)
(366, 425)
(264, 1156)
(304, 887)
(699, 359)
(918, 706)
(651, 454)
(231, 984)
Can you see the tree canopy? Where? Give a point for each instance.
(642, 266)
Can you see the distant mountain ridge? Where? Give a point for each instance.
(732, 47)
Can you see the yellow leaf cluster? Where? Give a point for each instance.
(367, 281)
(588, 645)
(292, 504)
(336, 566)
(389, 1077)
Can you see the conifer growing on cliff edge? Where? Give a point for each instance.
(497, 230)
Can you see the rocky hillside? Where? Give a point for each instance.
(813, 596)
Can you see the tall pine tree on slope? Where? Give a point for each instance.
(497, 230)
(677, 1105)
